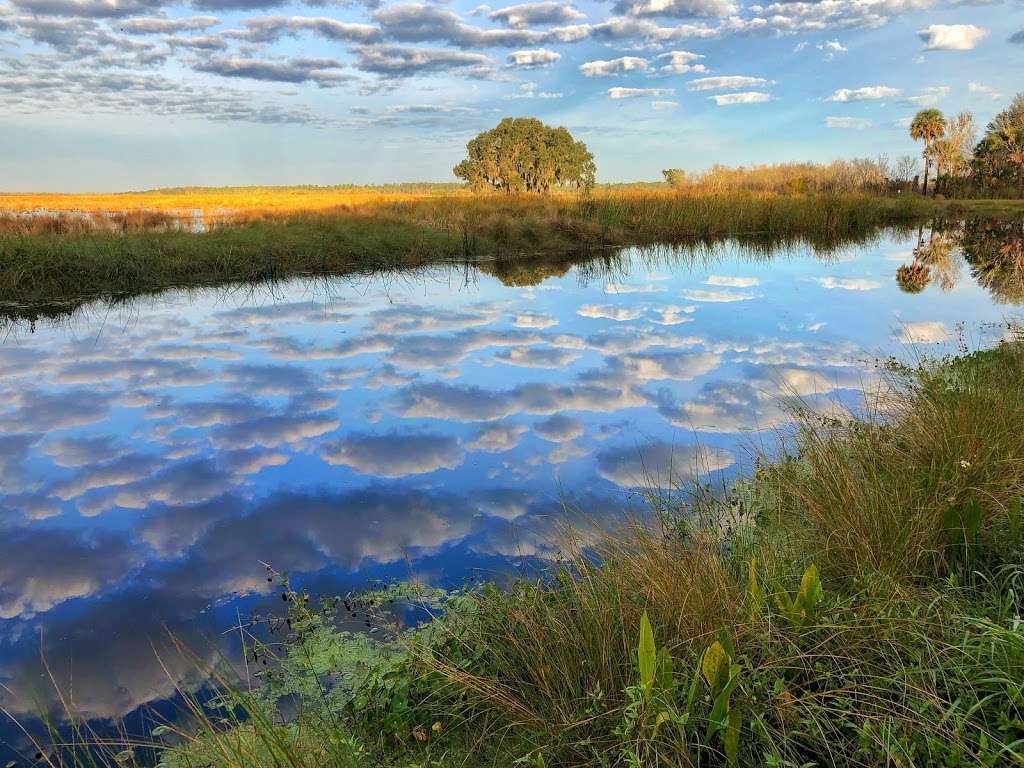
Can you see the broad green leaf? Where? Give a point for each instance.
(732, 736)
(715, 666)
(645, 653)
(666, 673)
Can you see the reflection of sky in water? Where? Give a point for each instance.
(151, 457)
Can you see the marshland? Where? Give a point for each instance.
(725, 469)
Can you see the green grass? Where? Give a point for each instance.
(47, 267)
(855, 602)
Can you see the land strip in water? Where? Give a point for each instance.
(54, 255)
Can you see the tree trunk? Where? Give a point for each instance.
(927, 165)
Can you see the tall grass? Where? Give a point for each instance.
(52, 265)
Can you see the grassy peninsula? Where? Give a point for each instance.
(58, 257)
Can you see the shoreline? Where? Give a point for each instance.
(51, 267)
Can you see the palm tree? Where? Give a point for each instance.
(927, 126)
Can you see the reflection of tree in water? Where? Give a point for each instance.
(994, 249)
(935, 260)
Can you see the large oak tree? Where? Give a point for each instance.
(521, 154)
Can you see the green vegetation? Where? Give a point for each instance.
(50, 267)
(855, 602)
(521, 154)
(999, 156)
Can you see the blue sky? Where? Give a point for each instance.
(116, 94)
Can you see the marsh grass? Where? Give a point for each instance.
(46, 261)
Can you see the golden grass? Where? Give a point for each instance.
(221, 201)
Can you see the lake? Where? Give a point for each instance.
(438, 425)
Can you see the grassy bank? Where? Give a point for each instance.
(857, 601)
(50, 263)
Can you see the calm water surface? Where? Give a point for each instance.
(427, 425)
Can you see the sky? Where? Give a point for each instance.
(100, 95)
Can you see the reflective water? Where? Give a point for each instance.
(153, 454)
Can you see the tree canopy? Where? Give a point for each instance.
(999, 155)
(521, 154)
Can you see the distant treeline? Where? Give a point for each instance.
(964, 166)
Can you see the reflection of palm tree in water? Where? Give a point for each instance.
(938, 258)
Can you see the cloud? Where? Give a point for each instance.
(394, 455)
(621, 28)
(534, 320)
(951, 37)
(848, 283)
(198, 43)
(537, 357)
(672, 315)
(323, 72)
(726, 83)
(527, 14)
(926, 332)
(272, 431)
(986, 91)
(440, 400)
(267, 29)
(745, 97)
(529, 91)
(41, 568)
(930, 96)
(731, 281)
(867, 93)
(609, 312)
(699, 294)
(664, 104)
(96, 9)
(559, 428)
(618, 92)
(1017, 37)
(533, 59)
(618, 66)
(676, 8)
(682, 62)
(159, 25)
(854, 123)
(495, 438)
(659, 464)
(400, 61)
(421, 23)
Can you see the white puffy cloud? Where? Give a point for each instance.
(533, 59)
(848, 283)
(744, 97)
(394, 455)
(930, 96)
(699, 294)
(659, 464)
(682, 62)
(609, 312)
(866, 93)
(620, 92)
(527, 14)
(615, 66)
(726, 83)
(980, 89)
(925, 332)
(732, 281)
(677, 8)
(951, 37)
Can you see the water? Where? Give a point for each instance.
(432, 425)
